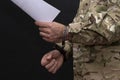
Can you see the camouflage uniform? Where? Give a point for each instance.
(96, 40)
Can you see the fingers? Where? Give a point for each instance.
(49, 65)
(43, 24)
(53, 69)
(45, 35)
(52, 61)
(53, 66)
(45, 30)
(58, 65)
(51, 31)
(48, 39)
(46, 59)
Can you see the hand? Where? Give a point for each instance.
(52, 61)
(51, 31)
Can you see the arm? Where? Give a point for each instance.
(94, 27)
(99, 28)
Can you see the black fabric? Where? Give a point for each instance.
(21, 47)
(68, 9)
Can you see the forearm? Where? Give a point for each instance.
(94, 37)
(98, 29)
(87, 37)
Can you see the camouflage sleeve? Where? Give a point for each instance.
(67, 48)
(99, 25)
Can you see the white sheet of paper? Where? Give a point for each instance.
(39, 10)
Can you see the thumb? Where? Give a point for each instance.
(46, 59)
(49, 57)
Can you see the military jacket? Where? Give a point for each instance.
(96, 40)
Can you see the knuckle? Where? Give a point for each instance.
(49, 25)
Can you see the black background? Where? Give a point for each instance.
(21, 47)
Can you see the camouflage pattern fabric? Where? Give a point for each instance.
(96, 40)
(97, 63)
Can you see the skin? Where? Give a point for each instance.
(51, 31)
(52, 61)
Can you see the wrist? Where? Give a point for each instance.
(61, 50)
(67, 50)
(68, 36)
(64, 36)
